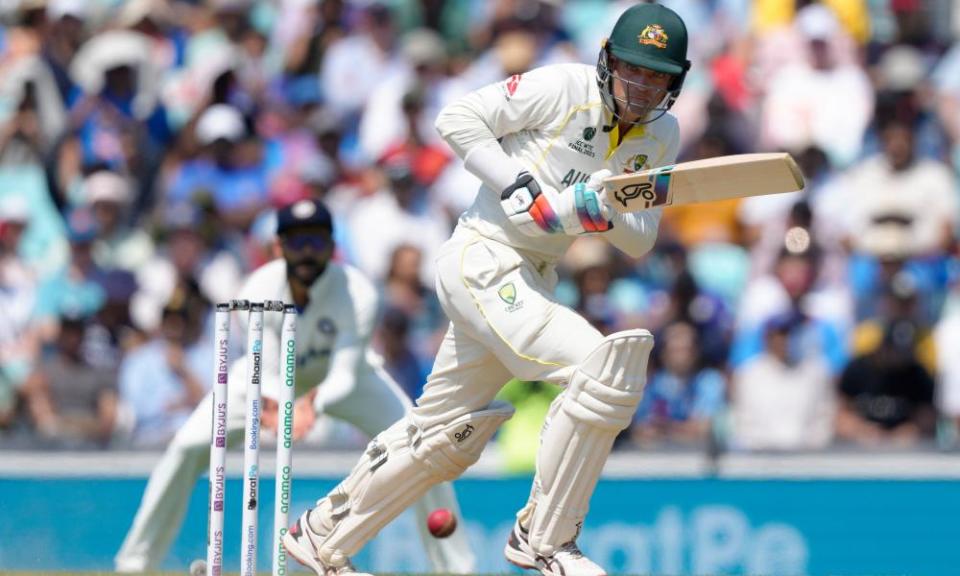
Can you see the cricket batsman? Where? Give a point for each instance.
(541, 143)
(337, 312)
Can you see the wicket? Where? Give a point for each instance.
(251, 444)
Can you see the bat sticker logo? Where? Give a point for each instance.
(631, 191)
(655, 193)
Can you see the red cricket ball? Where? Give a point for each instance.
(441, 523)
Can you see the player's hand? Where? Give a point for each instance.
(537, 209)
(304, 416)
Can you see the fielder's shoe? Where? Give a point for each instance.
(301, 542)
(567, 561)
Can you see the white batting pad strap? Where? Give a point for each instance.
(380, 487)
(599, 402)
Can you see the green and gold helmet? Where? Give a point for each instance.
(651, 36)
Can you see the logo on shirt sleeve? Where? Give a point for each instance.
(510, 86)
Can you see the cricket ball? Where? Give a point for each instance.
(441, 523)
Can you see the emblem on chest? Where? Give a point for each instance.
(635, 163)
(582, 144)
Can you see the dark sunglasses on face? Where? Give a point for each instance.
(301, 241)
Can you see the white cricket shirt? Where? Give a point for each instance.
(551, 120)
(333, 331)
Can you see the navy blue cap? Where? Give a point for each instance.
(309, 213)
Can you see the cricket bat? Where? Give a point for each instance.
(720, 178)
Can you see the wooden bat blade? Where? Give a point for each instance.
(708, 180)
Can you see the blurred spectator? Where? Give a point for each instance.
(899, 183)
(851, 14)
(769, 221)
(428, 158)
(347, 181)
(512, 51)
(393, 342)
(154, 19)
(899, 302)
(354, 65)
(111, 333)
(18, 339)
(404, 291)
(401, 213)
(598, 288)
(75, 289)
(782, 397)
(229, 172)
(817, 211)
(70, 402)
(683, 397)
(822, 100)
(162, 381)
(405, 104)
(794, 284)
(118, 244)
(43, 247)
(297, 166)
(890, 380)
(592, 269)
(904, 93)
(305, 31)
(116, 118)
(886, 259)
(31, 112)
(191, 258)
(65, 33)
(686, 302)
(886, 396)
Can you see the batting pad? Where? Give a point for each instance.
(398, 467)
(599, 402)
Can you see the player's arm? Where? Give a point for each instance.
(350, 348)
(472, 126)
(634, 233)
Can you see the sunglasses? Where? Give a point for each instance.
(302, 241)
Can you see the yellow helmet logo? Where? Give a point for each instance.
(653, 34)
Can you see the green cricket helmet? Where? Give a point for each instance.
(651, 36)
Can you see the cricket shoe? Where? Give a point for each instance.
(566, 561)
(302, 542)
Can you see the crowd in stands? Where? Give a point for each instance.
(146, 144)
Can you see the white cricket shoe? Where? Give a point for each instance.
(567, 561)
(301, 542)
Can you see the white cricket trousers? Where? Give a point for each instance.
(376, 403)
(504, 322)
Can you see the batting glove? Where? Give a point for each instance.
(537, 210)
